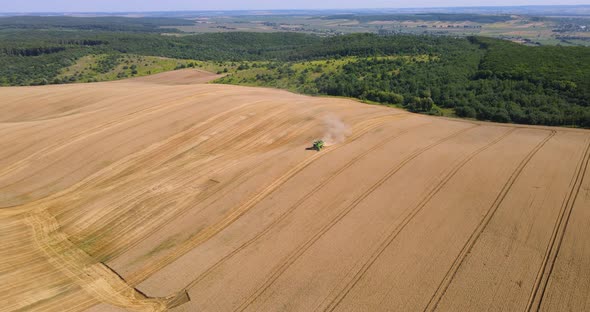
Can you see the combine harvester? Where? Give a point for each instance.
(318, 145)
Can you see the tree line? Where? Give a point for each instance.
(482, 78)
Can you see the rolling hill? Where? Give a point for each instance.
(166, 193)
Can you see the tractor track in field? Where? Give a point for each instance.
(97, 279)
(407, 219)
(552, 252)
(17, 209)
(102, 139)
(235, 181)
(98, 129)
(207, 195)
(291, 209)
(120, 164)
(39, 122)
(450, 275)
(134, 155)
(203, 236)
(136, 195)
(291, 258)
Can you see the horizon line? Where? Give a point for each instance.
(313, 10)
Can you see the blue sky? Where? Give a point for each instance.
(174, 5)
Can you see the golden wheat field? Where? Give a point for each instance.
(167, 193)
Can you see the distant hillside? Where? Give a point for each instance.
(474, 77)
(443, 17)
(106, 23)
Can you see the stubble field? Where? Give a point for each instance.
(165, 193)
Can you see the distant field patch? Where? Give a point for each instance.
(102, 67)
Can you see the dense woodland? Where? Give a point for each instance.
(480, 78)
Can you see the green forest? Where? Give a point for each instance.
(474, 77)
